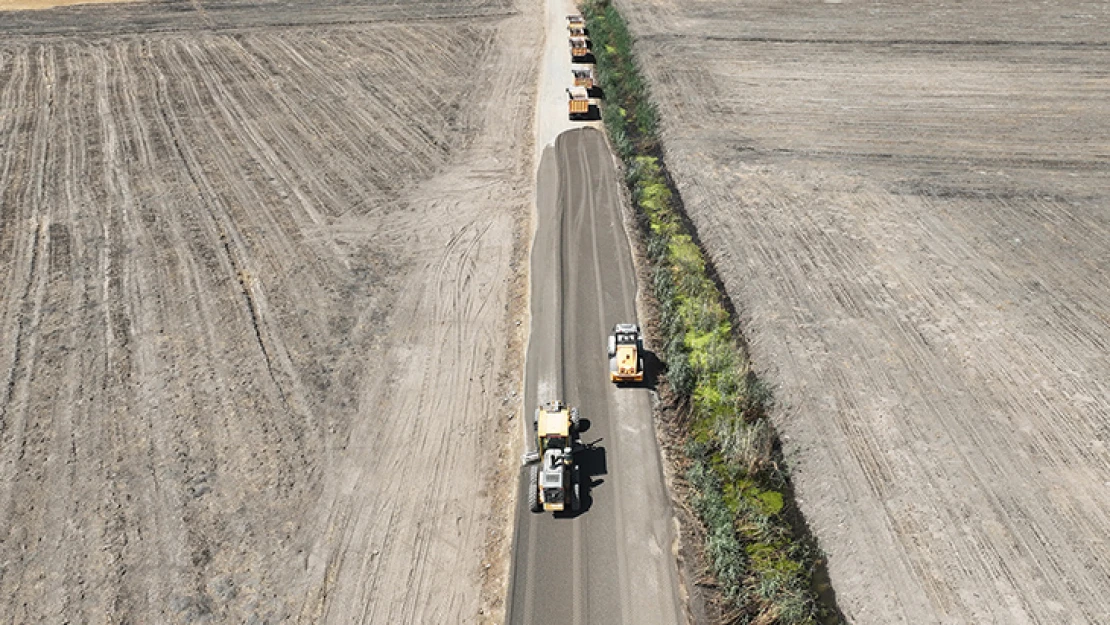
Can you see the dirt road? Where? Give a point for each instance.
(258, 273)
(907, 203)
(554, 79)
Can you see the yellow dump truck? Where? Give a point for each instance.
(553, 476)
(579, 103)
(579, 48)
(626, 359)
(584, 76)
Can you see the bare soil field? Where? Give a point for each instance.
(908, 204)
(260, 283)
(25, 5)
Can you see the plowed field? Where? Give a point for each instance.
(257, 275)
(907, 202)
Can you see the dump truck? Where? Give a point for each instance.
(626, 359)
(553, 480)
(579, 48)
(579, 104)
(576, 21)
(583, 76)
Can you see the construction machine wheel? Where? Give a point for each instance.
(534, 489)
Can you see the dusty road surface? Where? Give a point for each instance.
(908, 202)
(555, 77)
(612, 562)
(257, 280)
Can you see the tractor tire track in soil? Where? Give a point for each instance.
(255, 290)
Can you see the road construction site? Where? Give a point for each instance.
(282, 285)
(612, 561)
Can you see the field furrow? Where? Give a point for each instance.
(907, 208)
(251, 278)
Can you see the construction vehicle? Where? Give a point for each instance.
(553, 480)
(579, 104)
(579, 48)
(576, 22)
(584, 76)
(626, 347)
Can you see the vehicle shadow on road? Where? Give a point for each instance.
(591, 462)
(653, 368)
(592, 115)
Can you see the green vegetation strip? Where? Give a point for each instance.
(763, 566)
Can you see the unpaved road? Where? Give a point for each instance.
(613, 561)
(554, 79)
(258, 272)
(908, 204)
